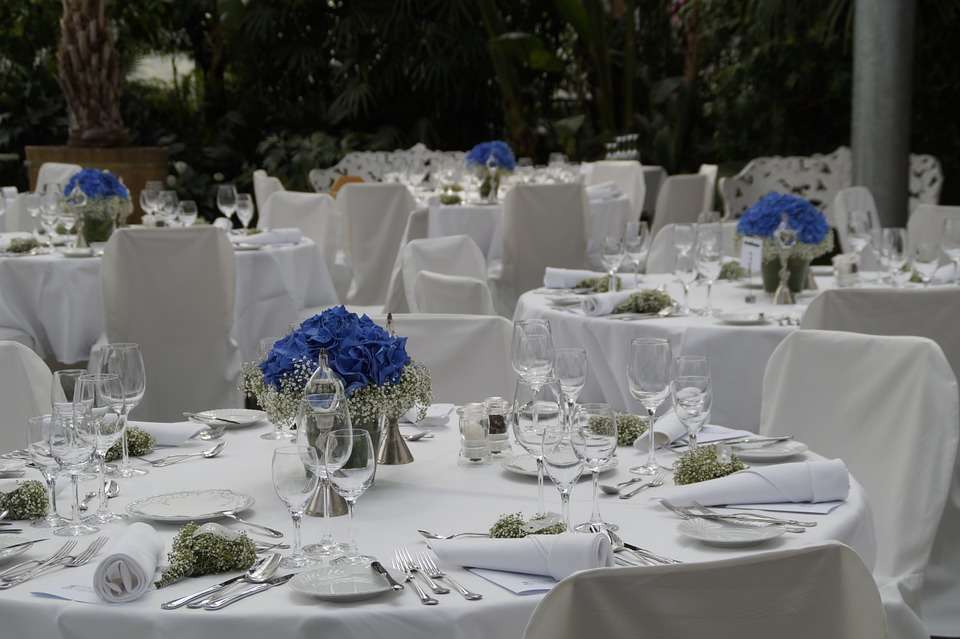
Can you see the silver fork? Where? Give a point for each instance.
(656, 480)
(67, 561)
(685, 513)
(401, 565)
(23, 565)
(432, 570)
(757, 517)
(417, 569)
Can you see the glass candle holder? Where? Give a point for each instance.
(474, 447)
(497, 435)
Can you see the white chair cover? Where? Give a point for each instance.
(454, 294)
(544, 225)
(468, 355)
(56, 172)
(662, 257)
(417, 225)
(709, 171)
(926, 222)
(887, 406)
(626, 174)
(172, 291)
(452, 255)
(263, 187)
(818, 591)
(929, 313)
(17, 218)
(376, 216)
(680, 201)
(855, 198)
(24, 392)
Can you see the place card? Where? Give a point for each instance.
(751, 254)
(518, 583)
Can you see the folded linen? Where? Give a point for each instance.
(809, 481)
(557, 556)
(127, 572)
(170, 433)
(604, 303)
(668, 429)
(567, 277)
(273, 236)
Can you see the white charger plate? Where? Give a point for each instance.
(76, 252)
(341, 583)
(527, 465)
(243, 246)
(246, 417)
(742, 319)
(189, 505)
(771, 452)
(719, 534)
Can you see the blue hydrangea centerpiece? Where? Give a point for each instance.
(102, 202)
(765, 216)
(491, 160)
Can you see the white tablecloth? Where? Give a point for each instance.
(58, 301)
(433, 493)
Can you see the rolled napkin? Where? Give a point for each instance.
(273, 236)
(668, 429)
(127, 572)
(170, 433)
(811, 481)
(604, 303)
(557, 556)
(566, 277)
(603, 191)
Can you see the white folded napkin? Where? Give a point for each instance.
(566, 277)
(555, 555)
(170, 433)
(668, 429)
(437, 415)
(603, 191)
(127, 572)
(273, 236)
(603, 303)
(810, 481)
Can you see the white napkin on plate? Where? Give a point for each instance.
(127, 572)
(170, 433)
(668, 429)
(555, 555)
(273, 236)
(810, 481)
(566, 277)
(603, 191)
(437, 415)
(603, 303)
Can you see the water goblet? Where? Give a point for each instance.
(648, 377)
(295, 472)
(245, 209)
(125, 360)
(563, 466)
(39, 433)
(351, 463)
(894, 253)
(692, 399)
(571, 368)
(167, 208)
(227, 199)
(282, 420)
(691, 365)
(636, 244)
(594, 440)
(187, 212)
(535, 409)
(686, 273)
(73, 442)
(99, 400)
(926, 260)
(611, 254)
(709, 258)
(684, 236)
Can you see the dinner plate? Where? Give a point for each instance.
(717, 533)
(245, 417)
(189, 505)
(770, 452)
(77, 252)
(527, 465)
(743, 319)
(243, 246)
(341, 583)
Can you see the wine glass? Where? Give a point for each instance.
(51, 203)
(245, 209)
(648, 376)
(571, 366)
(150, 197)
(31, 204)
(950, 242)
(295, 472)
(926, 260)
(281, 426)
(167, 208)
(594, 440)
(636, 244)
(611, 254)
(39, 432)
(894, 252)
(99, 400)
(351, 463)
(686, 273)
(73, 441)
(709, 257)
(227, 199)
(692, 398)
(692, 365)
(563, 466)
(63, 390)
(683, 238)
(187, 212)
(532, 351)
(534, 410)
(859, 230)
(125, 360)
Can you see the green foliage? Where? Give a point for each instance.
(194, 555)
(706, 462)
(139, 443)
(26, 501)
(646, 301)
(514, 526)
(630, 427)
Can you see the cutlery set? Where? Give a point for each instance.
(745, 519)
(27, 570)
(423, 566)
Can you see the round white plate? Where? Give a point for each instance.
(771, 452)
(720, 534)
(246, 417)
(341, 583)
(189, 505)
(527, 465)
(742, 319)
(77, 252)
(243, 246)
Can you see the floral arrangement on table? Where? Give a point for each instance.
(206, 550)
(22, 245)
(630, 428)
(104, 206)
(139, 443)
(492, 160)
(27, 501)
(649, 300)
(732, 270)
(379, 377)
(514, 526)
(706, 462)
(599, 284)
(450, 199)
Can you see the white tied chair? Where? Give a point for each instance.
(439, 293)
(543, 225)
(626, 174)
(680, 201)
(56, 173)
(468, 355)
(172, 291)
(263, 187)
(417, 229)
(818, 591)
(710, 172)
(24, 392)
(454, 255)
(662, 257)
(376, 216)
(854, 198)
(926, 222)
(17, 217)
(888, 407)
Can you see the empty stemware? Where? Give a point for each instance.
(636, 244)
(611, 254)
(648, 375)
(571, 368)
(295, 472)
(692, 398)
(709, 258)
(351, 463)
(563, 466)
(534, 410)
(125, 360)
(39, 433)
(227, 199)
(73, 440)
(187, 212)
(894, 253)
(245, 209)
(99, 400)
(926, 260)
(594, 440)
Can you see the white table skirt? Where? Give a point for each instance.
(58, 300)
(433, 493)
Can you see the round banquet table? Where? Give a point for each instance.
(58, 301)
(433, 493)
(738, 354)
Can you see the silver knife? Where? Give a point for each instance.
(396, 585)
(24, 543)
(223, 602)
(173, 604)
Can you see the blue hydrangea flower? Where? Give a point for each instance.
(497, 150)
(763, 218)
(95, 184)
(358, 350)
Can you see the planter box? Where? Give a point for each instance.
(135, 164)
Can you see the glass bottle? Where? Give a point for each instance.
(497, 434)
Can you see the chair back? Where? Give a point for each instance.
(680, 201)
(662, 257)
(263, 187)
(452, 255)
(626, 174)
(452, 294)
(926, 223)
(854, 198)
(24, 392)
(416, 230)
(55, 172)
(709, 171)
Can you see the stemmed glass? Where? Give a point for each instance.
(594, 440)
(245, 209)
(648, 375)
(187, 212)
(692, 365)
(99, 400)
(636, 244)
(32, 205)
(351, 463)
(39, 432)
(692, 398)
(611, 254)
(227, 199)
(950, 242)
(51, 203)
(167, 208)
(62, 393)
(683, 238)
(125, 360)
(563, 465)
(686, 273)
(859, 230)
(894, 252)
(536, 409)
(571, 367)
(926, 260)
(295, 472)
(709, 258)
(281, 426)
(150, 197)
(73, 440)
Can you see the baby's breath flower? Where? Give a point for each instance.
(205, 554)
(26, 501)
(702, 464)
(648, 300)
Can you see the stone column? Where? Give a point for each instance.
(882, 87)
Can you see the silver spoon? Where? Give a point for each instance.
(267, 530)
(266, 571)
(174, 459)
(431, 535)
(615, 490)
(110, 487)
(653, 483)
(412, 437)
(255, 571)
